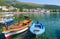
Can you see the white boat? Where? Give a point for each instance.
(9, 34)
(4, 18)
(17, 28)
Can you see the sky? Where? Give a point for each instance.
(51, 2)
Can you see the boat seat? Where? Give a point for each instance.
(25, 23)
(37, 26)
(36, 30)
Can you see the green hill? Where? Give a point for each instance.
(2, 2)
(18, 4)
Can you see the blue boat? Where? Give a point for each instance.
(7, 22)
(0, 24)
(37, 28)
(6, 18)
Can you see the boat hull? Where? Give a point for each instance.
(17, 28)
(7, 35)
(6, 21)
(36, 30)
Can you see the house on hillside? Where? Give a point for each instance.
(25, 10)
(5, 8)
(0, 7)
(11, 8)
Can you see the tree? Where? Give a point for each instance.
(21, 9)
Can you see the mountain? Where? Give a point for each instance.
(18, 4)
(2, 2)
(51, 7)
(22, 4)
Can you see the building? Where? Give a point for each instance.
(11, 8)
(0, 7)
(4, 8)
(25, 10)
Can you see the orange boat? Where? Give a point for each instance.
(17, 28)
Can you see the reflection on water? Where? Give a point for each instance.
(52, 23)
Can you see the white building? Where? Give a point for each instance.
(0, 7)
(25, 10)
(11, 8)
(4, 8)
(35, 10)
(31, 10)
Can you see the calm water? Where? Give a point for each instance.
(52, 25)
(51, 22)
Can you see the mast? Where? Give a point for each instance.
(17, 13)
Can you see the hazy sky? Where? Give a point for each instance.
(53, 2)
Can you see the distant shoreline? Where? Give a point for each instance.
(25, 12)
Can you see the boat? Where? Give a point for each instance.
(17, 28)
(37, 28)
(5, 18)
(0, 20)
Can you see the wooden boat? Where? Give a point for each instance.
(17, 28)
(37, 28)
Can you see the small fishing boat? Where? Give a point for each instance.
(17, 28)
(37, 28)
(5, 18)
